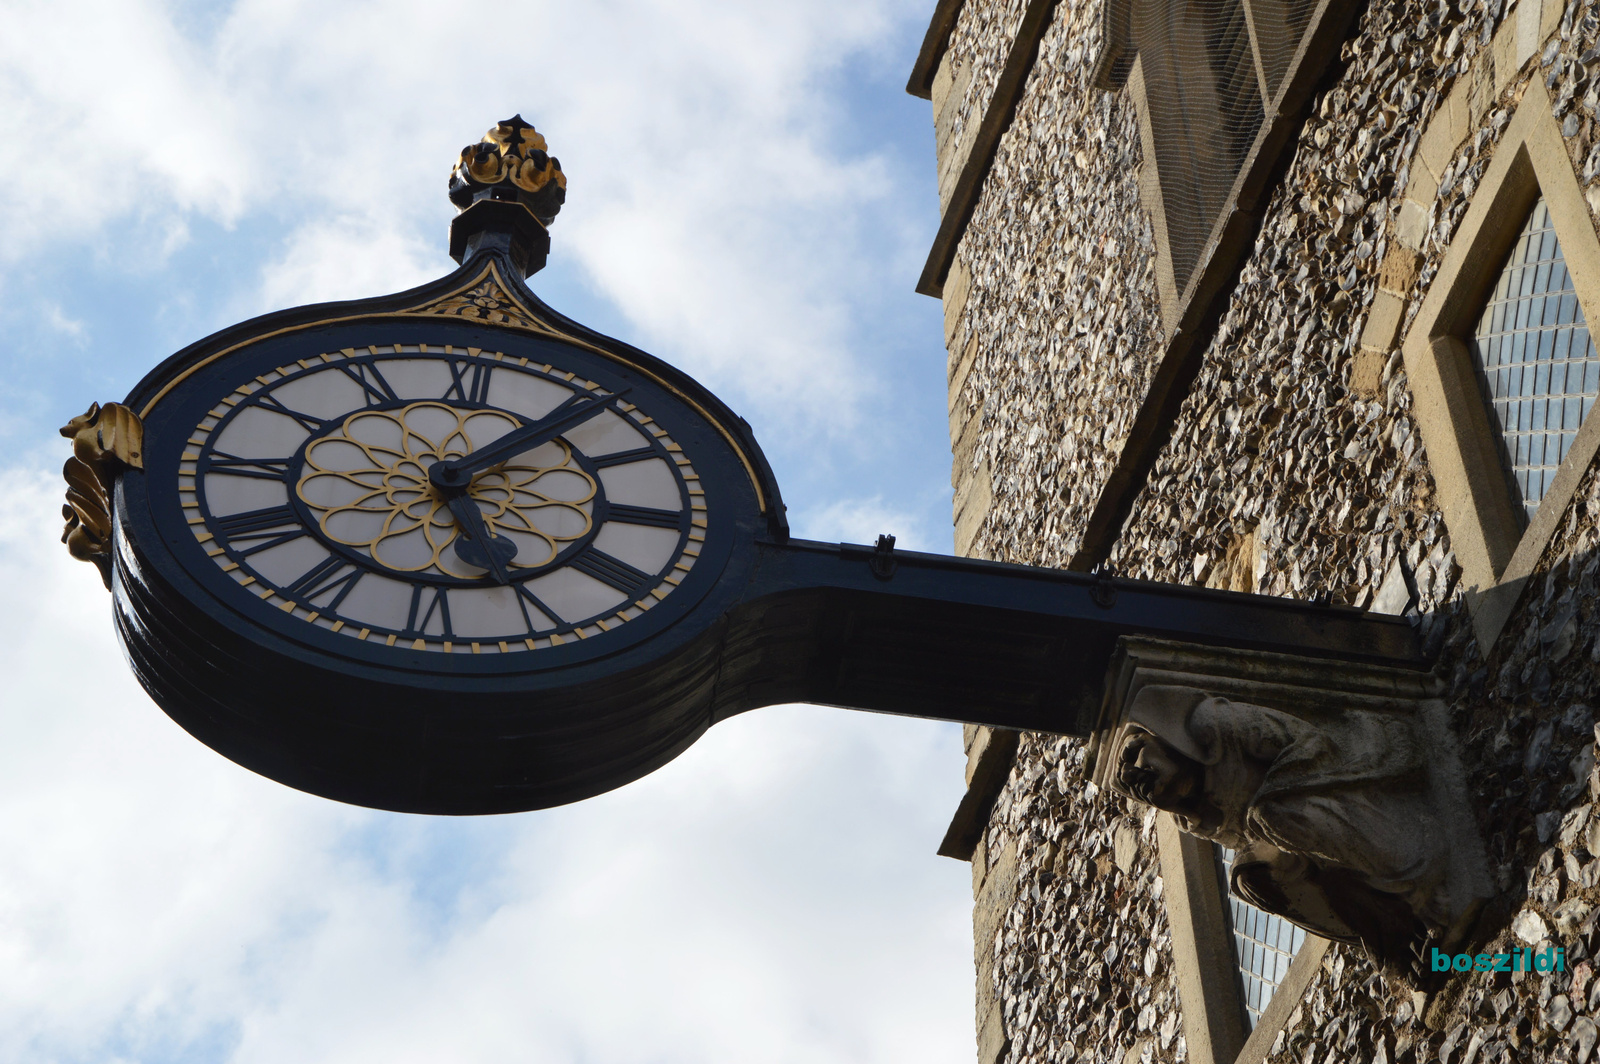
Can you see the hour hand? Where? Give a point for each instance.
(476, 545)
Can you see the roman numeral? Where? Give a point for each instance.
(418, 618)
(372, 383)
(310, 423)
(623, 457)
(608, 570)
(644, 515)
(253, 524)
(331, 574)
(471, 381)
(234, 466)
(525, 598)
(276, 541)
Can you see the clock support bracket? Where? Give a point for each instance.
(991, 643)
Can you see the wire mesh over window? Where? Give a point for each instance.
(1537, 364)
(1212, 70)
(1263, 944)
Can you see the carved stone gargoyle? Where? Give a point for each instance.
(105, 440)
(1338, 785)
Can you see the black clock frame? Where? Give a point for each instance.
(761, 619)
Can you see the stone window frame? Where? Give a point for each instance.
(1285, 94)
(1190, 315)
(1496, 554)
(1205, 966)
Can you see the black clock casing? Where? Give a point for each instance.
(375, 723)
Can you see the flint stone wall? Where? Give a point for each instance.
(1295, 469)
(1061, 328)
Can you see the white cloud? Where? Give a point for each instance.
(343, 258)
(771, 895)
(864, 520)
(58, 321)
(108, 110)
(711, 198)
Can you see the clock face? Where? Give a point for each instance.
(307, 486)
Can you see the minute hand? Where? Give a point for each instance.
(456, 474)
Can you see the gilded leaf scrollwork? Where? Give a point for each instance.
(512, 159)
(484, 301)
(105, 441)
(368, 485)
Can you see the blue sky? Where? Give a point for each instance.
(751, 197)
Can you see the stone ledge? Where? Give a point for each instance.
(931, 55)
(986, 136)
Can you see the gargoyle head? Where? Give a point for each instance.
(1155, 773)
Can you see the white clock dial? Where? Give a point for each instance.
(309, 487)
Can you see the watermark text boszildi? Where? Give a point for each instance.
(1518, 960)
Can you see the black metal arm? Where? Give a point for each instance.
(991, 643)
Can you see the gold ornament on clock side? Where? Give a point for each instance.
(105, 441)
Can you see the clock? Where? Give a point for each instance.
(449, 551)
(373, 545)
(427, 551)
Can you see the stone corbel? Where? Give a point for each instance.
(105, 441)
(1339, 785)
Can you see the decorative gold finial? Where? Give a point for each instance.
(511, 162)
(105, 441)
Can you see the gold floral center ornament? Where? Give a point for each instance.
(367, 484)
